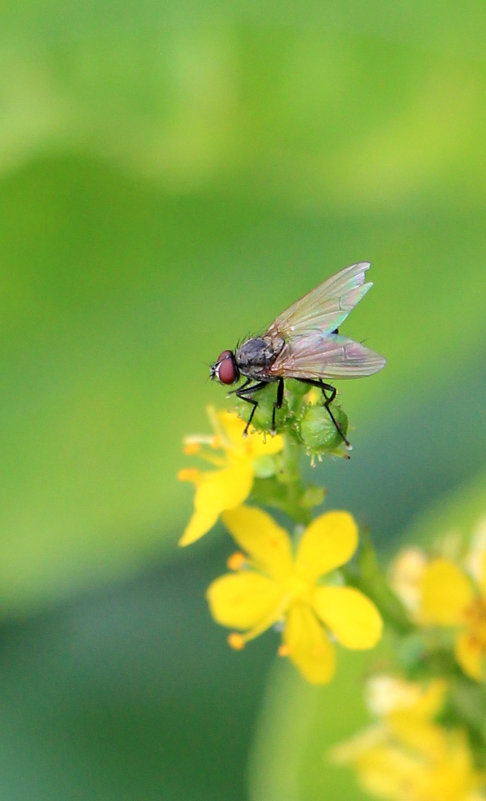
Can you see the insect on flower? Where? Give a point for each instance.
(303, 343)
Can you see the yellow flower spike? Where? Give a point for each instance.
(407, 756)
(235, 458)
(274, 586)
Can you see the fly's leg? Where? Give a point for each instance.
(328, 399)
(242, 393)
(278, 402)
(243, 386)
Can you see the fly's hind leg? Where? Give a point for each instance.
(328, 399)
(243, 392)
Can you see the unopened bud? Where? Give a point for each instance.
(318, 432)
(263, 417)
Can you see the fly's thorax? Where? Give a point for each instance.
(255, 356)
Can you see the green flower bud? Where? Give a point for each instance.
(262, 419)
(318, 432)
(295, 387)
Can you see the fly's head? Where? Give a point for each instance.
(225, 369)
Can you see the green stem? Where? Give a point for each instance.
(292, 480)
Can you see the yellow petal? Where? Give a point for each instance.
(328, 542)
(470, 656)
(430, 700)
(388, 771)
(267, 544)
(224, 489)
(308, 646)
(265, 444)
(255, 443)
(386, 694)
(233, 428)
(350, 615)
(198, 525)
(415, 733)
(243, 600)
(446, 592)
(217, 490)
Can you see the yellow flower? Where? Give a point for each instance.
(406, 756)
(274, 586)
(448, 598)
(237, 459)
(386, 695)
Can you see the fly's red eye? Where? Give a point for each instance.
(227, 369)
(224, 355)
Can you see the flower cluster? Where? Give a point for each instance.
(306, 575)
(448, 593)
(407, 755)
(274, 582)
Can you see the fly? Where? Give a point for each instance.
(303, 342)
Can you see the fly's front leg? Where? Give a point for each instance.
(278, 402)
(235, 391)
(242, 393)
(328, 399)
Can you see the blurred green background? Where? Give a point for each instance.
(171, 177)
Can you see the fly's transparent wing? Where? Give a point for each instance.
(325, 307)
(319, 356)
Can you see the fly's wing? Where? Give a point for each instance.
(325, 307)
(319, 356)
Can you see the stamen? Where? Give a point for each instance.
(236, 641)
(283, 650)
(191, 447)
(216, 461)
(188, 474)
(237, 561)
(263, 625)
(198, 439)
(215, 423)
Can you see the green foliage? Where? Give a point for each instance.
(164, 191)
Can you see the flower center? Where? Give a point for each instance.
(297, 588)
